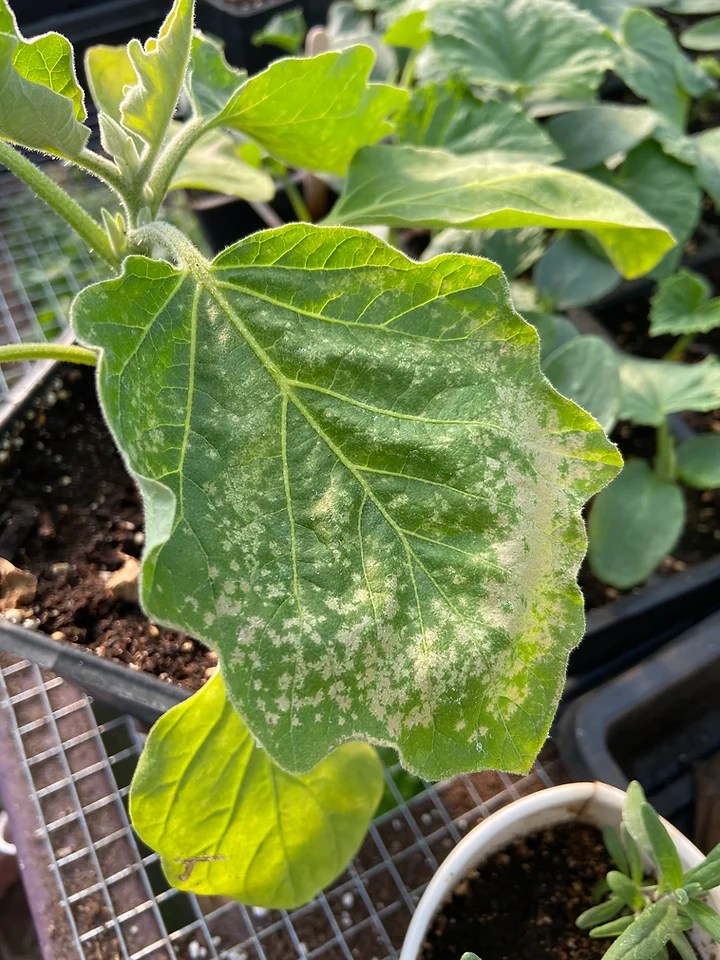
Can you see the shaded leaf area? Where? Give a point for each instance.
(359, 488)
(228, 821)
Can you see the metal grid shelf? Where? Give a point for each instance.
(110, 897)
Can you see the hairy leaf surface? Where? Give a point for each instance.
(316, 112)
(211, 81)
(413, 186)
(544, 48)
(227, 821)
(360, 490)
(109, 71)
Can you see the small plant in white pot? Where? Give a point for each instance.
(575, 872)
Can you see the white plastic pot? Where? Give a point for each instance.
(595, 803)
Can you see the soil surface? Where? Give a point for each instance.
(80, 516)
(522, 904)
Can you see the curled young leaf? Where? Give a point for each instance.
(228, 821)
(359, 489)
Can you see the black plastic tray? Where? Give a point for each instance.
(652, 723)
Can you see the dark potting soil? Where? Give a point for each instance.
(522, 904)
(61, 469)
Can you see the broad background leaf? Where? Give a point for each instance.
(698, 463)
(590, 136)
(682, 305)
(702, 36)
(413, 186)
(347, 26)
(585, 369)
(315, 113)
(515, 250)
(378, 537)
(215, 163)
(211, 81)
(570, 274)
(203, 788)
(634, 523)
(286, 30)
(652, 389)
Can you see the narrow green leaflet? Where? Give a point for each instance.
(655, 68)
(707, 873)
(633, 524)
(624, 888)
(614, 928)
(546, 49)
(109, 71)
(613, 845)
(698, 465)
(228, 821)
(211, 81)
(635, 860)
(632, 819)
(41, 106)
(590, 136)
(585, 369)
(342, 501)
(705, 916)
(652, 389)
(570, 274)
(664, 853)
(449, 116)
(149, 104)
(315, 113)
(215, 163)
(647, 935)
(682, 305)
(602, 913)
(413, 186)
(285, 30)
(683, 947)
(515, 250)
(702, 36)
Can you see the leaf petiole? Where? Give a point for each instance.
(297, 201)
(665, 457)
(679, 347)
(69, 353)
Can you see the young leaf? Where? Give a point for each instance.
(586, 371)
(285, 30)
(624, 888)
(342, 502)
(228, 821)
(707, 873)
(666, 857)
(449, 116)
(215, 163)
(570, 274)
(702, 36)
(602, 913)
(315, 113)
(613, 845)
(698, 465)
(109, 72)
(515, 250)
(633, 524)
(406, 24)
(634, 857)
(652, 389)
(211, 81)
(612, 929)
(547, 49)
(588, 137)
(410, 186)
(682, 305)
(632, 818)
(705, 916)
(149, 104)
(648, 933)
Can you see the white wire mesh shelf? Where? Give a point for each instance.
(111, 898)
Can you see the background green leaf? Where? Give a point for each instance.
(585, 369)
(682, 305)
(702, 36)
(633, 524)
(316, 112)
(215, 163)
(554, 329)
(571, 274)
(343, 502)
(286, 30)
(109, 71)
(698, 464)
(228, 821)
(412, 186)
(652, 389)
(347, 26)
(515, 250)
(707, 873)
(590, 136)
(211, 81)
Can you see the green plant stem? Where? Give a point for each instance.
(102, 168)
(665, 459)
(171, 158)
(47, 351)
(408, 73)
(297, 201)
(61, 202)
(679, 347)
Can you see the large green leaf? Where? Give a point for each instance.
(315, 113)
(702, 36)
(588, 137)
(41, 104)
(515, 250)
(633, 524)
(540, 48)
(359, 489)
(449, 116)
(570, 274)
(655, 68)
(286, 30)
(611, 12)
(652, 389)
(698, 463)
(682, 305)
(109, 71)
(226, 820)
(647, 935)
(585, 369)
(160, 64)
(211, 81)
(411, 186)
(215, 163)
